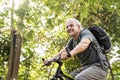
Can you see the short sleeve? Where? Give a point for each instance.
(87, 34)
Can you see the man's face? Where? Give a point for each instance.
(72, 28)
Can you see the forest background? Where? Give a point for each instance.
(41, 27)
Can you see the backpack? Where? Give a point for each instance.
(104, 42)
(102, 38)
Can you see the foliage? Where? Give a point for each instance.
(4, 41)
(4, 54)
(43, 32)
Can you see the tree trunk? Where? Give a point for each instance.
(14, 58)
(17, 57)
(11, 57)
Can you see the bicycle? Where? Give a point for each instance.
(59, 74)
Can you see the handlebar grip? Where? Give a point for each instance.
(68, 53)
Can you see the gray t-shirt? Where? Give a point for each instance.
(90, 55)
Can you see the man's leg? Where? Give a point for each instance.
(92, 73)
(74, 73)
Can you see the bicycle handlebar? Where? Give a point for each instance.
(57, 60)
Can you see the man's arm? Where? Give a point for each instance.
(82, 46)
(58, 54)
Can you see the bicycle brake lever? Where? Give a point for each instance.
(68, 53)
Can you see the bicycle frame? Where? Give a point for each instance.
(59, 75)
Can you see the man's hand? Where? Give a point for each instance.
(46, 62)
(64, 56)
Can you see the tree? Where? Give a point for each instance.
(15, 49)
